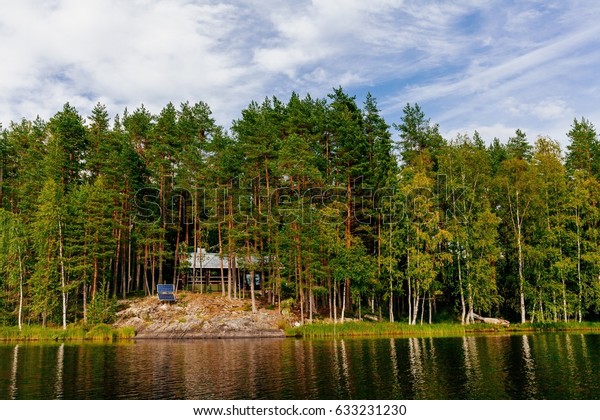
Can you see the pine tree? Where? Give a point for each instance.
(347, 150)
(13, 252)
(420, 141)
(48, 282)
(67, 147)
(92, 246)
(518, 147)
(584, 148)
(23, 171)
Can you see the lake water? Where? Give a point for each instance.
(540, 366)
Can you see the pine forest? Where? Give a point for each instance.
(342, 213)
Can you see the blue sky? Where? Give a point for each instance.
(491, 66)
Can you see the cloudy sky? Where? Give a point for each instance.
(485, 65)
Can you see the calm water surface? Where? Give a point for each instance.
(553, 366)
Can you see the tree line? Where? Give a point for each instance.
(341, 213)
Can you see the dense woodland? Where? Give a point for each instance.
(342, 213)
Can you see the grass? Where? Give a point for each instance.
(72, 333)
(556, 326)
(387, 329)
(106, 332)
(379, 329)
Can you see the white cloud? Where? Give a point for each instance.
(551, 109)
(129, 52)
(546, 109)
(485, 65)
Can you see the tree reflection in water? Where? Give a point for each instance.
(549, 366)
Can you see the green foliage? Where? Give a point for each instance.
(307, 194)
(13, 246)
(584, 148)
(66, 148)
(421, 141)
(105, 332)
(518, 147)
(45, 232)
(72, 333)
(102, 309)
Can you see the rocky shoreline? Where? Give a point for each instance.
(199, 316)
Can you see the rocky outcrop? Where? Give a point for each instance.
(199, 316)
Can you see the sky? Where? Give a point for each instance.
(485, 65)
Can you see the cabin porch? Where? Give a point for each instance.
(208, 272)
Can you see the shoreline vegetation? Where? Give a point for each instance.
(327, 329)
(212, 316)
(404, 330)
(73, 333)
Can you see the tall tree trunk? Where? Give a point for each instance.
(62, 276)
(344, 303)
(138, 269)
(299, 274)
(542, 318)
(85, 297)
(409, 298)
(277, 272)
(195, 240)
(162, 235)
(177, 239)
(471, 311)
(579, 280)
(415, 302)
(463, 307)
(348, 237)
(309, 283)
(20, 316)
(252, 294)
(391, 301)
(310, 302)
(117, 255)
(521, 278)
(251, 265)
(430, 308)
(520, 250)
(230, 251)
(124, 278)
(423, 307)
(96, 270)
(229, 273)
(129, 257)
(146, 257)
(161, 250)
(408, 279)
(85, 274)
(333, 295)
(391, 277)
(153, 267)
(221, 262)
(564, 299)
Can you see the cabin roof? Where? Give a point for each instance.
(212, 260)
(203, 259)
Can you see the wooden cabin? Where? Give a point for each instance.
(207, 271)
